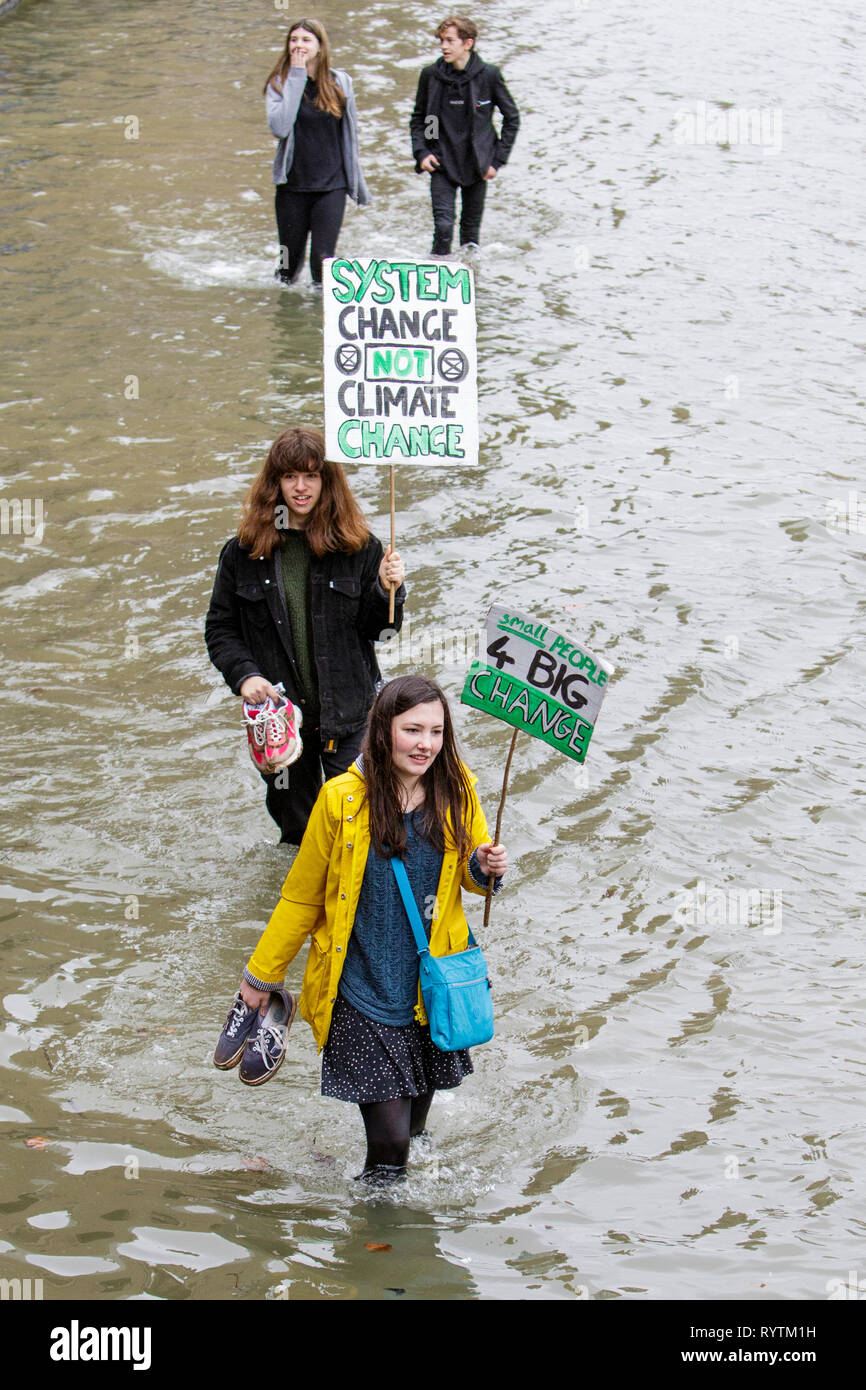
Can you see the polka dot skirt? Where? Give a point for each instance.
(364, 1061)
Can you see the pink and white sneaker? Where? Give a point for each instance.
(282, 734)
(255, 719)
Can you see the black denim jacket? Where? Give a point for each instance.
(247, 629)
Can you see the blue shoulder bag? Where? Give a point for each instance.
(455, 989)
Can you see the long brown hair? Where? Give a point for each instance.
(336, 522)
(448, 790)
(329, 96)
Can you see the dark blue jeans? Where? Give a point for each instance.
(443, 194)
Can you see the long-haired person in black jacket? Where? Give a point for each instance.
(301, 595)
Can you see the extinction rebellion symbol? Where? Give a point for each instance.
(453, 365)
(347, 358)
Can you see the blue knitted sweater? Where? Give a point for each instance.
(380, 977)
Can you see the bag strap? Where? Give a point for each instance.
(412, 907)
(410, 904)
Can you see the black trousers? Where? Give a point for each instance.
(302, 215)
(443, 194)
(292, 791)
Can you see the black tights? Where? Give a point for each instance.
(299, 215)
(390, 1124)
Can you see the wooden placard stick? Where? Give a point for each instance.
(392, 587)
(491, 877)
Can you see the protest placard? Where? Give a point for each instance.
(535, 679)
(400, 362)
(538, 680)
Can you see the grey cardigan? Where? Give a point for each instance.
(282, 108)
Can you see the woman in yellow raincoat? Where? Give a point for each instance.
(408, 794)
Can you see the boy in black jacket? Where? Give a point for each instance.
(454, 139)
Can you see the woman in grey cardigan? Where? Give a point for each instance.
(311, 111)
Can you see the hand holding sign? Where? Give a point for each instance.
(492, 860)
(391, 570)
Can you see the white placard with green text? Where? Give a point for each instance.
(400, 362)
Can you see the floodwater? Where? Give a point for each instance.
(670, 334)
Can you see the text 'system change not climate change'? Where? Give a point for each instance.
(400, 362)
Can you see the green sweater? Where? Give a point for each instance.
(295, 557)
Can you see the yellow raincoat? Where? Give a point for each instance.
(320, 897)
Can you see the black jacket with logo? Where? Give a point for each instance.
(465, 143)
(248, 633)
